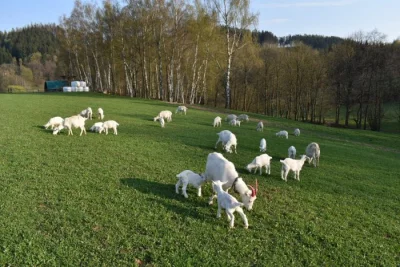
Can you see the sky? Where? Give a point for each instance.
(339, 18)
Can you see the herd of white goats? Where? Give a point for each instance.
(78, 121)
(219, 170)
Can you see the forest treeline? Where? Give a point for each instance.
(205, 52)
(28, 56)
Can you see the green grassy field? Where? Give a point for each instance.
(99, 200)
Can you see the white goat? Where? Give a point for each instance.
(87, 113)
(243, 117)
(263, 145)
(54, 122)
(260, 126)
(282, 134)
(188, 177)
(228, 140)
(96, 127)
(292, 152)
(229, 204)
(235, 122)
(100, 114)
(296, 132)
(217, 121)
(259, 162)
(76, 121)
(230, 117)
(313, 153)
(109, 125)
(219, 168)
(181, 109)
(166, 115)
(294, 165)
(162, 122)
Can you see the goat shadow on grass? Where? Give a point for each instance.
(193, 209)
(166, 196)
(44, 130)
(151, 187)
(41, 127)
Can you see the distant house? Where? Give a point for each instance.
(55, 86)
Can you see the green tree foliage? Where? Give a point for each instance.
(21, 43)
(5, 56)
(315, 41)
(26, 74)
(32, 51)
(265, 37)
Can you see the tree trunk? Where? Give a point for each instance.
(160, 74)
(194, 66)
(171, 80)
(228, 88)
(145, 74)
(337, 115)
(204, 90)
(126, 72)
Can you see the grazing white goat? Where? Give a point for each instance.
(313, 153)
(263, 145)
(96, 127)
(235, 123)
(228, 140)
(217, 121)
(188, 177)
(100, 113)
(219, 168)
(109, 125)
(259, 162)
(292, 152)
(296, 132)
(230, 117)
(243, 117)
(162, 122)
(229, 204)
(166, 115)
(181, 109)
(260, 126)
(87, 113)
(76, 121)
(282, 134)
(294, 165)
(54, 122)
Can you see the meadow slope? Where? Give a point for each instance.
(110, 200)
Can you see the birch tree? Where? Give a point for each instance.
(235, 17)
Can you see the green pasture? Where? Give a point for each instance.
(100, 200)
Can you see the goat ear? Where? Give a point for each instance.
(253, 191)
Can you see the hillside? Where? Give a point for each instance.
(110, 200)
(22, 43)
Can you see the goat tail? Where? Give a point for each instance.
(283, 162)
(238, 204)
